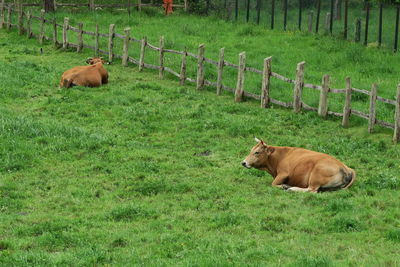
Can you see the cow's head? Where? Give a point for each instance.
(258, 155)
(94, 60)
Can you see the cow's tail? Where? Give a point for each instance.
(349, 176)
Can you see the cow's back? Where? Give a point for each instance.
(301, 163)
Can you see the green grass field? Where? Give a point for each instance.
(323, 54)
(147, 172)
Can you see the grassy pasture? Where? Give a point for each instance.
(147, 172)
(356, 10)
(323, 54)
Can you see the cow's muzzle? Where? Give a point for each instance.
(244, 164)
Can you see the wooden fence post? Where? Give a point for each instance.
(96, 40)
(310, 20)
(41, 30)
(331, 18)
(372, 108)
(300, 13)
(55, 42)
(318, 15)
(247, 13)
(128, 8)
(20, 20)
(142, 52)
(221, 64)
(366, 24)
(140, 5)
(346, 16)
(200, 68)
(266, 82)
(182, 76)
(2, 14)
(272, 14)
(285, 13)
(338, 9)
(125, 54)
(327, 22)
(91, 5)
(396, 135)
(240, 79)
(298, 87)
(161, 59)
(347, 103)
(380, 24)
(186, 5)
(323, 97)
(28, 24)
(80, 39)
(357, 34)
(9, 14)
(396, 33)
(111, 35)
(65, 33)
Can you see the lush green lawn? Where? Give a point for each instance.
(147, 172)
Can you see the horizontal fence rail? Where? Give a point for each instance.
(298, 82)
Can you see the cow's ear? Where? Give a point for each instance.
(270, 150)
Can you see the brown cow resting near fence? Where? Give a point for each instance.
(299, 169)
(93, 75)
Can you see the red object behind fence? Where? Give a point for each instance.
(168, 7)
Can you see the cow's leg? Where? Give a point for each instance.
(299, 189)
(280, 180)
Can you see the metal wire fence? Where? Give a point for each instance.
(374, 24)
(371, 23)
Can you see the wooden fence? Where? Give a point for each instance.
(92, 5)
(267, 74)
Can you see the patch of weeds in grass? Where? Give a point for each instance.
(226, 219)
(174, 244)
(150, 12)
(338, 205)
(129, 213)
(394, 235)
(313, 261)
(274, 223)
(93, 256)
(383, 181)
(54, 226)
(151, 186)
(344, 224)
(119, 242)
(5, 245)
(29, 258)
(62, 137)
(146, 86)
(53, 241)
(10, 198)
(363, 98)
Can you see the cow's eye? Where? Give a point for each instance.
(257, 152)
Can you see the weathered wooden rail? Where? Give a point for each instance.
(297, 104)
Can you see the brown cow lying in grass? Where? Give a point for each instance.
(299, 169)
(93, 75)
